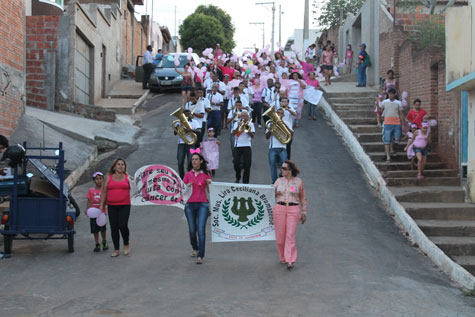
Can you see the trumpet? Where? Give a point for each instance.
(277, 127)
(236, 118)
(181, 125)
(245, 126)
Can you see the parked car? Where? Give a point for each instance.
(164, 76)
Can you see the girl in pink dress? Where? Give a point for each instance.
(290, 209)
(419, 141)
(348, 59)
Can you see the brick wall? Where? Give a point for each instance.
(12, 14)
(41, 44)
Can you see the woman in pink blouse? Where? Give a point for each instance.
(290, 208)
(197, 206)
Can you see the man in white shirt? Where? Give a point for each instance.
(216, 100)
(277, 150)
(268, 94)
(147, 66)
(198, 111)
(236, 96)
(289, 112)
(226, 97)
(282, 69)
(242, 147)
(214, 80)
(183, 149)
(200, 93)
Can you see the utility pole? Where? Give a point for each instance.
(280, 24)
(151, 27)
(263, 31)
(175, 21)
(273, 19)
(306, 37)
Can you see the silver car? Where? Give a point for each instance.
(164, 76)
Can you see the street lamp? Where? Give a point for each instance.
(263, 33)
(273, 18)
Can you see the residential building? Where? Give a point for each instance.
(297, 40)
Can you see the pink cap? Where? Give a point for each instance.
(97, 174)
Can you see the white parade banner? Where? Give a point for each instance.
(159, 185)
(241, 212)
(313, 95)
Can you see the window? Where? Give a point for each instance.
(58, 3)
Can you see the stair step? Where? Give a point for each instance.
(455, 246)
(351, 100)
(371, 128)
(369, 137)
(356, 114)
(426, 181)
(352, 95)
(400, 157)
(449, 228)
(452, 194)
(406, 166)
(467, 262)
(379, 146)
(348, 107)
(427, 173)
(440, 211)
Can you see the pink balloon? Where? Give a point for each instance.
(202, 59)
(211, 56)
(404, 95)
(292, 47)
(432, 122)
(404, 103)
(203, 69)
(101, 220)
(177, 62)
(342, 64)
(319, 69)
(93, 212)
(188, 57)
(190, 50)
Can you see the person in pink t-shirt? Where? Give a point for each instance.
(197, 206)
(307, 66)
(94, 200)
(312, 81)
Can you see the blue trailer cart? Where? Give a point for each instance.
(33, 216)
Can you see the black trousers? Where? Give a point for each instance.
(119, 220)
(244, 152)
(147, 71)
(289, 148)
(183, 151)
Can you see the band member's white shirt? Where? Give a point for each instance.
(274, 143)
(268, 95)
(194, 126)
(199, 108)
(244, 139)
(232, 103)
(216, 98)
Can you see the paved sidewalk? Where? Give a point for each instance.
(124, 97)
(87, 130)
(347, 87)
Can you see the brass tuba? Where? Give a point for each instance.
(277, 127)
(181, 125)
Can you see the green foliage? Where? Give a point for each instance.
(224, 18)
(200, 31)
(333, 12)
(429, 30)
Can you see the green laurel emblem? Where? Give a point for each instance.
(239, 209)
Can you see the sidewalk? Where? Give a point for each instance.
(124, 97)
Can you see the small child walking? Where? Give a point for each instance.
(377, 105)
(211, 160)
(420, 140)
(410, 149)
(94, 200)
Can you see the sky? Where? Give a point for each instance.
(242, 13)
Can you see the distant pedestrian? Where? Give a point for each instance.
(116, 193)
(363, 62)
(312, 82)
(158, 57)
(147, 66)
(197, 206)
(392, 112)
(390, 82)
(290, 208)
(187, 84)
(94, 200)
(349, 59)
(377, 106)
(420, 140)
(326, 64)
(310, 51)
(410, 148)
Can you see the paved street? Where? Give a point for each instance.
(352, 259)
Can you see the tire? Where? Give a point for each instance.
(7, 244)
(155, 90)
(71, 243)
(75, 205)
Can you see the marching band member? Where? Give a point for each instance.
(198, 113)
(291, 207)
(183, 149)
(236, 95)
(268, 94)
(214, 80)
(206, 104)
(242, 146)
(277, 150)
(216, 100)
(289, 113)
(233, 116)
(227, 95)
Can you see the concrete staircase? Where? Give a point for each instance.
(436, 202)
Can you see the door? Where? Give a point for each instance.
(82, 71)
(464, 133)
(104, 81)
(139, 69)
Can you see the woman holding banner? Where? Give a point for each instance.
(116, 193)
(197, 206)
(290, 208)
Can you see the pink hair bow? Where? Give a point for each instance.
(196, 151)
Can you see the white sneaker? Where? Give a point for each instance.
(260, 126)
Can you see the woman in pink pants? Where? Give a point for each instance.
(291, 207)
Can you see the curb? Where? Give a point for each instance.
(404, 221)
(139, 101)
(74, 177)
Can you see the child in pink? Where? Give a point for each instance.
(94, 200)
(410, 149)
(377, 104)
(420, 140)
(348, 59)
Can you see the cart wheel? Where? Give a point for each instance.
(7, 244)
(71, 243)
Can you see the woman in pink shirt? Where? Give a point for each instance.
(312, 83)
(290, 208)
(197, 206)
(116, 192)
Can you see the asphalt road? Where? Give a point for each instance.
(352, 259)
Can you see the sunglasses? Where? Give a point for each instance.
(284, 168)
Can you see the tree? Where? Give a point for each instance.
(201, 31)
(429, 4)
(224, 18)
(333, 12)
